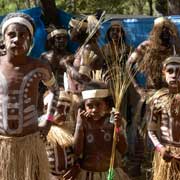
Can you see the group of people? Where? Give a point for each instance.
(57, 119)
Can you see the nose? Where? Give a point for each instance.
(15, 39)
(94, 109)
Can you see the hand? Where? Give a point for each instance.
(166, 155)
(117, 119)
(142, 92)
(176, 157)
(68, 60)
(82, 116)
(59, 118)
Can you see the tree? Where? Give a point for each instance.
(173, 7)
(50, 12)
(161, 7)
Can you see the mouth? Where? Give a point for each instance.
(174, 83)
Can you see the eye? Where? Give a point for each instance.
(90, 106)
(170, 71)
(11, 34)
(22, 34)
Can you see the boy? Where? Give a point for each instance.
(164, 124)
(22, 152)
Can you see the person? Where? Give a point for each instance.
(22, 151)
(59, 145)
(57, 51)
(116, 47)
(146, 61)
(163, 126)
(79, 68)
(94, 134)
(149, 55)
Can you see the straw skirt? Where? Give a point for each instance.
(23, 158)
(166, 170)
(88, 175)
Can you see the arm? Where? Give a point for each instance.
(121, 140)
(50, 82)
(153, 128)
(133, 64)
(79, 134)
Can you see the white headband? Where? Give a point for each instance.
(96, 93)
(19, 20)
(55, 32)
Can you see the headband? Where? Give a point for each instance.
(78, 24)
(64, 95)
(159, 20)
(173, 59)
(96, 93)
(55, 32)
(19, 20)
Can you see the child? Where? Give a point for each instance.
(60, 140)
(22, 152)
(164, 124)
(94, 135)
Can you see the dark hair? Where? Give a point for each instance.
(18, 14)
(98, 85)
(122, 34)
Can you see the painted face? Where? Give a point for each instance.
(17, 39)
(96, 107)
(62, 110)
(172, 75)
(115, 33)
(60, 41)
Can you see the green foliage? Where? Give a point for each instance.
(127, 7)
(7, 6)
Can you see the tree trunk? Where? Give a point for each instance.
(49, 12)
(173, 7)
(150, 7)
(28, 4)
(161, 7)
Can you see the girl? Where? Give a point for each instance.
(94, 135)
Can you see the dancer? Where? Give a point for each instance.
(22, 152)
(164, 124)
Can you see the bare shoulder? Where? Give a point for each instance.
(161, 98)
(47, 55)
(39, 62)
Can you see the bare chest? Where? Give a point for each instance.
(18, 99)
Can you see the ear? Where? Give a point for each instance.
(163, 70)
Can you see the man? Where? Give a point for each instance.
(23, 155)
(57, 52)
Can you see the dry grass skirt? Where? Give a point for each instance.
(23, 158)
(166, 170)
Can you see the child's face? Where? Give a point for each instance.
(172, 75)
(17, 39)
(97, 108)
(60, 41)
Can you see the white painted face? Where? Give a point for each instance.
(17, 39)
(172, 75)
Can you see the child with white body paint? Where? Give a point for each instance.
(164, 124)
(22, 152)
